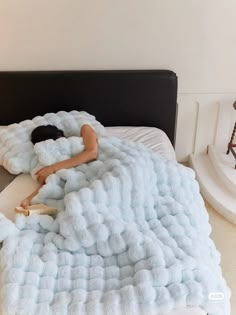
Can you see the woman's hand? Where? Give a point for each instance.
(43, 173)
(25, 203)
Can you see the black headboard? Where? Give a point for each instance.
(116, 98)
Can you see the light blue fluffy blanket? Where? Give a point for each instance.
(131, 237)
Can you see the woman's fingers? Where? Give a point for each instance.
(41, 179)
(43, 173)
(38, 171)
(41, 176)
(41, 170)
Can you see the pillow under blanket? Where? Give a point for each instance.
(52, 151)
(16, 148)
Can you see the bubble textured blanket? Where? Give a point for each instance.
(131, 237)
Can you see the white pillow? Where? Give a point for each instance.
(16, 148)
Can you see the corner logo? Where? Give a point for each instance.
(216, 296)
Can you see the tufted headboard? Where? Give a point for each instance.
(115, 97)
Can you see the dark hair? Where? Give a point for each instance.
(45, 132)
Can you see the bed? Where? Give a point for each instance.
(23, 184)
(116, 98)
(140, 105)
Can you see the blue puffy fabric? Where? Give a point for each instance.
(131, 237)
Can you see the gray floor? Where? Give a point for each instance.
(5, 178)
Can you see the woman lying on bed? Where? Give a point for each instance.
(43, 133)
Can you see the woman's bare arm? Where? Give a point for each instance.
(90, 153)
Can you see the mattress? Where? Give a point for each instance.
(152, 138)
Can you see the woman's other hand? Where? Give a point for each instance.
(25, 203)
(43, 173)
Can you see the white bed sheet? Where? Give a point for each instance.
(153, 138)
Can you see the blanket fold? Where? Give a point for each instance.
(131, 237)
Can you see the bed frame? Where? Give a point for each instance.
(116, 98)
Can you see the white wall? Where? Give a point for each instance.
(195, 38)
